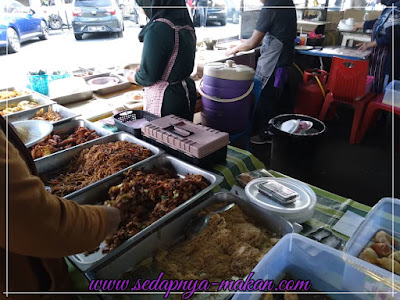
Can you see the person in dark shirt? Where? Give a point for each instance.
(169, 47)
(276, 28)
(201, 6)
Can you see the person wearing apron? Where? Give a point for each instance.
(167, 60)
(276, 28)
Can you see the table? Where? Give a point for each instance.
(339, 51)
(350, 37)
(329, 208)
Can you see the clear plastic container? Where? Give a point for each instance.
(381, 217)
(329, 270)
(392, 88)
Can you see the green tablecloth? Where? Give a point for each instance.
(329, 208)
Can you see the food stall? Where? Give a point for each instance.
(193, 206)
(226, 187)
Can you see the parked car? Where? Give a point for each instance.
(18, 24)
(57, 12)
(233, 10)
(216, 12)
(94, 16)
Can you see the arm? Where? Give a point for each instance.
(368, 24)
(263, 25)
(41, 224)
(157, 48)
(251, 43)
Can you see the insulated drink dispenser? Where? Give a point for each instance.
(226, 96)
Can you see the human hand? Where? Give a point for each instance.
(365, 46)
(358, 25)
(113, 218)
(233, 50)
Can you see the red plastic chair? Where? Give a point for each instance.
(371, 115)
(346, 84)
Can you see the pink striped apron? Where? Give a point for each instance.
(154, 94)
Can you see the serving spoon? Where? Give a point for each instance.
(200, 223)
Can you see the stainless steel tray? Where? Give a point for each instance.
(50, 166)
(121, 85)
(69, 127)
(75, 97)
(12, 88)
(173, 233)
(65, 113)
(99, 193)
(38, 98)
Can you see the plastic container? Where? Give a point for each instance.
(60, 76)
(300, 211)
(325, 267)
(379, 218)
(310, 96)
(197, 144)
(226, 96)
(387, 98)
(39, 83)
(131, 115)
(291, 153)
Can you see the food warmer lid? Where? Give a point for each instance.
(228, 70)
(301, 210)
(192, 139)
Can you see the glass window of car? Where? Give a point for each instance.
(16, 7)
(93, 3)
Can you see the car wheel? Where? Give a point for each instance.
(223, 22)
(13, 41)
(78, 37)
(45, 31)
(120, 33)
(55, 22)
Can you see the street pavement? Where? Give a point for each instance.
(62, 52)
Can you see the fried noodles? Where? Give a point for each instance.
(97, 163)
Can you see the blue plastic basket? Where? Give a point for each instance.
(60, 76)
(39, 83)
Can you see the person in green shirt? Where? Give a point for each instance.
(169, 46)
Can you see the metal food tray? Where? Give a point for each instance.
(173, 233)
(121, 85)
(50, 166)
(38, 98)
(12, 89)
(74, 97)
(68, 128)
(99, 193)
(65, 113)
